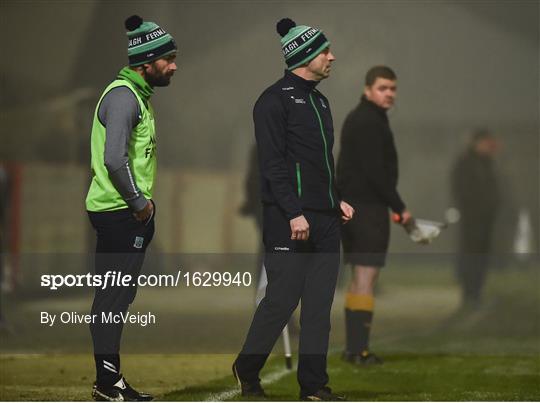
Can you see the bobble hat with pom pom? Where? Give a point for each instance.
(300, 43)
(147, 41)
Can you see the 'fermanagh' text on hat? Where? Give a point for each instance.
(147, 41)
(300, 43)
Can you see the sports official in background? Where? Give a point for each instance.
(476, 192)
(367, 176)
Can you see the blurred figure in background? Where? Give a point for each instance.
(475, 190)
(367, 175)
(252, 206)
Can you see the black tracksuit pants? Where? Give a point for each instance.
(121, 245)
(297, 271)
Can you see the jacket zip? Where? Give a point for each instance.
(298, 179)
(325, 150)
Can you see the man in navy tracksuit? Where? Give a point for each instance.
(301, 214)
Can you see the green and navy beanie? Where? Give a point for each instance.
(147, 41)
(300, 43)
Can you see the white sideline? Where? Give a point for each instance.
(230, 393)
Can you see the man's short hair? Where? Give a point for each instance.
(481, 133)
(379, 72)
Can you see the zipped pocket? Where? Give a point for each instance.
(298, 180)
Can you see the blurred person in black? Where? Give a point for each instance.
(252, 206)
(301, 214)
(367, 176)
(475, 190)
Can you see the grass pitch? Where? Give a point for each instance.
(403, 377)
(430, 352)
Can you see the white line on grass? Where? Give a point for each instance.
(267, 380)
(230, 393)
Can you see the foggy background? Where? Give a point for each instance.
(460, 66)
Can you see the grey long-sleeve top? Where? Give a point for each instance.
(119, 112)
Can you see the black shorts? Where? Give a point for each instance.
(367, 235)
